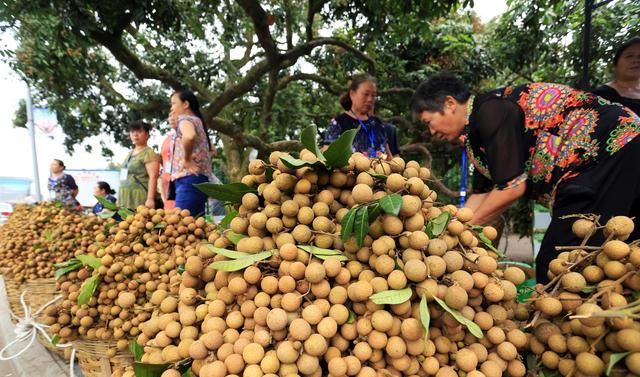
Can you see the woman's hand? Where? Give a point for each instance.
(150, 203)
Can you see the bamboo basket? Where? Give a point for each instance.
(91, 356)
(39, 292)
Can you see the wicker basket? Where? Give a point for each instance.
(39, 292)
(91, 356)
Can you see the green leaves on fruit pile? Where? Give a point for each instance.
(229, 193)
(472, 326)
(323, 254)
(357, 220)
(392, 297)
(436, 226)
(76, 263)
(240, 263)
(88, 288)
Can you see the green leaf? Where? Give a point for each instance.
(90, 260)
(180, 269)
(149, 370)
(472, 326)
(227, 253)
(106, 214)
(392, 297)
(319, 251)
(482, 237)
(232, 213)
(48, 235)
(425, 316)
(339, 152)
(87, 289)
(63, 270)
(234, 237)
(268, 172)
(188, 373)
(106, 203)
(361, 225)
(124, 212)
(55, 340)
(72, 261)
(136, 350)
(239, 264)
(378, 176)
(526, 289)
(352, 317)
(308, 138)
(589, 289)
(295, 163)
(391, 204)
(340, 258)
(374, 210)
(613, 359)
(347, 224)
(436, 226)
(230, 193)
(159, 226)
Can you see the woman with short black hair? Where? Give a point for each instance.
(568, 149)
(625, 86)
(62, 187)
(139, 174)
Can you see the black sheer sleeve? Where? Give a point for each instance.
(500, 125)
(480, 184)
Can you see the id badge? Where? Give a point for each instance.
(52, 195)
(123, 174)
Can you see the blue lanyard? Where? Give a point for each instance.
(368, 131)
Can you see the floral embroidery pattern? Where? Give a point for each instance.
(477, 161)
(626, 131)
(575, 136)
(544, 104)
(566, 131)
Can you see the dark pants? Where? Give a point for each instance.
(188, 196)
(610, 188)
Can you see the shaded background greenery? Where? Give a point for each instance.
(265, 70)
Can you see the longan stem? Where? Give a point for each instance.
(610, 287)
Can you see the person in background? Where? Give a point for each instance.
(104, 190)
(190, 162)
(165, 175)
(139, 175)
(359, 103)
(62, 187)
(625, 86)
(568, 149)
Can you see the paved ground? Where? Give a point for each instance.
(516, 248)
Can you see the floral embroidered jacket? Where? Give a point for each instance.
(543, 134)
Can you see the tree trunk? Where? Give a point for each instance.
(237, 159)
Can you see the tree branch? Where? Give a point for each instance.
(306, 48)
(315, 6)
(267, 104)
(115, 45)
(396, 91)
(330, 85)
(259, 18)
(288, 21)
(435, 182)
